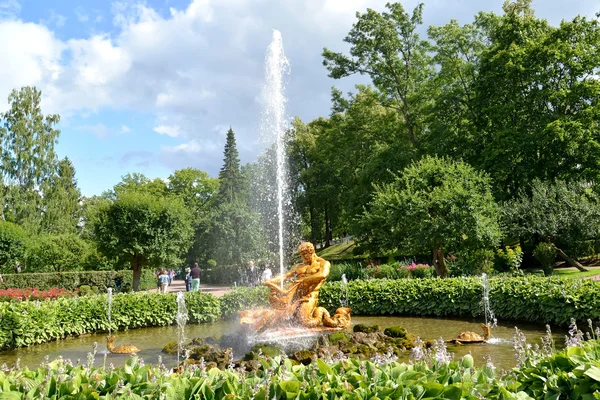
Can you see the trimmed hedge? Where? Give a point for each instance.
(73, 280)
(243, 298)
(33, 322)
(533, 299)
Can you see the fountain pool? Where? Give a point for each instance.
(152, 340)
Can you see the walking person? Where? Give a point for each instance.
(252, 274)
(195, 274)
(188, 280)
(267, 274)
(164, 281)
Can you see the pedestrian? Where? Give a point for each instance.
(267, 274)
(252, 274)
(195, 274)
(164, 281)
(188, 280)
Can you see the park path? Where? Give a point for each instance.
(179, 286)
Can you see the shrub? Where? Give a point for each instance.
(545, 253)
(243, 298)
(56, 253)
(351, 270)
(73, 280)
(13, 246)
(509, 259)
(26, 323)
(472, 263)
(534, 299)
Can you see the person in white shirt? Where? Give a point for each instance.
(266, 274)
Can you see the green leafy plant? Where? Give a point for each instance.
(510, 258)
(545, 253)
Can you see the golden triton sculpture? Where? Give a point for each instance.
(297, 300)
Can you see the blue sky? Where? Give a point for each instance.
(152, 86)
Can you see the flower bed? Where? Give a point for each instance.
(14, 294)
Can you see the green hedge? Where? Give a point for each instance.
(243, 298)
(30, 322)
(534, 299)
(73, 280)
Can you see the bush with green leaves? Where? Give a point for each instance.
(545, 253)
(28, 322)
(509, 259)
(565, 214)
(73, 280)
(243, 298)
(471, 263)
(533, 299)
(569, 374)
(56, 253)
(435, 205)
(352, 270)
(14, 242)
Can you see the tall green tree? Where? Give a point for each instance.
(538, 98)
(230, 178)
(144, 230)
(436, 205)
(198, 191)
(386, 47)
(62, 212)
(137, 182)
(27, 158)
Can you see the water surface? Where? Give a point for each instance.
(152, 340)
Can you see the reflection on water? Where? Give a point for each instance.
(152, 340)
(500, 346)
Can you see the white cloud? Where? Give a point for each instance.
(172, 131)
(199, 66)
(33, 59)
(125, 129)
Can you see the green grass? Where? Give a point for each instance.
(574, 274)
(338, 251)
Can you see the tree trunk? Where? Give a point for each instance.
(313, 224)
(136, 266)
(328, 234)
(569, 260)
(439, 263)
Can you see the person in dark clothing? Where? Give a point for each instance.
(188, 280)
(195, 274)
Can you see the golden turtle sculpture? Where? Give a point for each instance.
(472, 337)
(124, 349)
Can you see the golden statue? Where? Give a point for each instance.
(297, 300)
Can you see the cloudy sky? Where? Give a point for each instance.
(153, 86)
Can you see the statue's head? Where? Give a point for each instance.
(306, 250)
(486, 330)
(110, 339)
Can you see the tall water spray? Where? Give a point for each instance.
(275, 123)
(181, 317)
(344, 297)
(109, 300)
(490, 319)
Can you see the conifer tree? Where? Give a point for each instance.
(230, 178)
(61, 195)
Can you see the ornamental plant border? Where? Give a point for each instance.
(532, 299)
